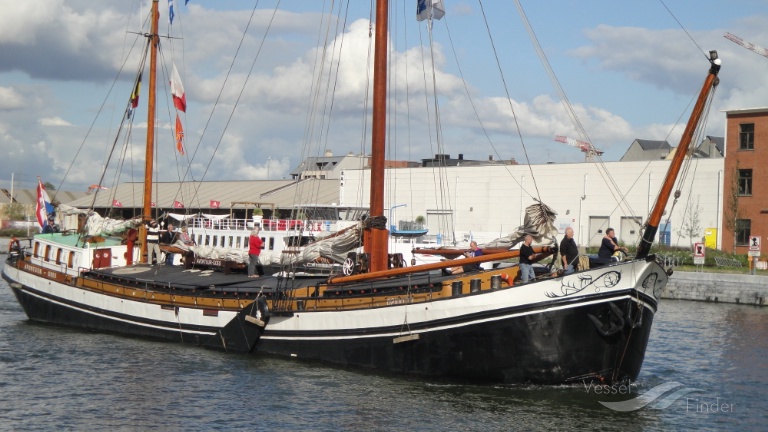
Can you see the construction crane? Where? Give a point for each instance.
(748, 45)
(588, 149)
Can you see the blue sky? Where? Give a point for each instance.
(627, 67)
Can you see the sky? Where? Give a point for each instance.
(257, 105)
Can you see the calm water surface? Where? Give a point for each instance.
(55, 378)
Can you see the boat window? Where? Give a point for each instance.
(239, 242)
(36, 250)
(271, 243)
(215, 241)
(71, 259)
(231, 241)
(207, 240)
(58, 256)
(47, 252)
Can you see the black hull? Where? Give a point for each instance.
(238, 335)
(543, 347)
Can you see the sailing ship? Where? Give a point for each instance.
(480, 325)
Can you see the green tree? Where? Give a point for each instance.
(731, 210)
(691, 227)
(49, 186)
(15, 212)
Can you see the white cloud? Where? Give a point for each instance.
(10, 99)
(54, 121)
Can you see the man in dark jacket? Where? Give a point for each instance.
(569, 251)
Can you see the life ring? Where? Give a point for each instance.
(14, 245)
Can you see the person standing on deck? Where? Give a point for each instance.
(153, 242)
(526, 257)
(254, 250)
(168, 238)
(569, 251)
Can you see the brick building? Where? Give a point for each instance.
(745, 177)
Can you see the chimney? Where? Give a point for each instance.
(490, 157)
(461, 156)
(328, 153)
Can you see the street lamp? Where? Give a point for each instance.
(391, 225)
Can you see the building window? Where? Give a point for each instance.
(745, 182)
(747, 136)
(743, 231)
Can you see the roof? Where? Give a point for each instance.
(718, 141)
(198, 195)
(322, 163)
(653, 145)
(29, 196)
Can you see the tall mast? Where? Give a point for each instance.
(682, 150)
(154, 40)
(375, 240)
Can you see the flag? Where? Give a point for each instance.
(43, 207)
(429, 9)
(179, 136)
(185, 2)
(177, 204)
(116, 203)
(135, 97)
(170, 12)
(177, 90)
(215, 204)
(94, 187)
(151, 203)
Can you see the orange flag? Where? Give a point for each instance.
(179, 136)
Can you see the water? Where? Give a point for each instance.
(54, 378)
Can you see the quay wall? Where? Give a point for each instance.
(717, 287)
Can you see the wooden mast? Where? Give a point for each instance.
(375, 240)
(154, 40)
(654, 219)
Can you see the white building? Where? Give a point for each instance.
(488, 201)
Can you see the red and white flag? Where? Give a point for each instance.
(179, 136)
(177, 90)
(177, 204)
(151, 203)
(43, 206)
(116, 203)
(215, 204)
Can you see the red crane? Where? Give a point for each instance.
(748, 45)
(588, 149)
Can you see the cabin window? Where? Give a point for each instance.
(71, 260)
(47, 252)
(231, 241)
(747, 136)
(743, 231)
(36, 250)
(207, 240)
(271, 243)
(239, 242)
(745, 182)
(58, 256)
(215, 241)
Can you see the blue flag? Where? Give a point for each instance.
(170, 12)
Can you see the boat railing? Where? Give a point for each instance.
(264, 224)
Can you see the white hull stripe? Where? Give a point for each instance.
(447, 327)
(113, 318)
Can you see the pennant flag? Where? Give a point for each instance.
(215, 204)
(179, 136)
(177, 204)
(177, 90)
(116, 203)
(43, 207)
(170, 12)
(135, 97)
(429, 9)
(94, 187)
